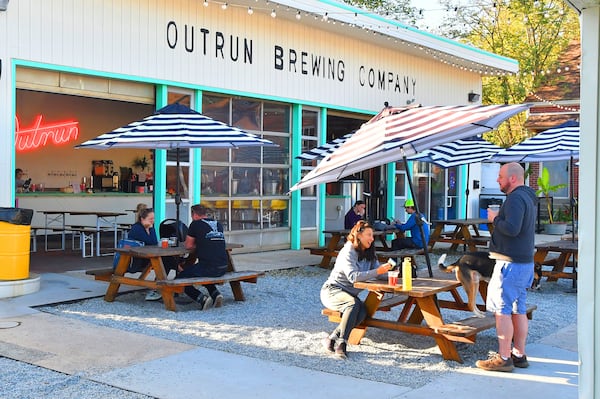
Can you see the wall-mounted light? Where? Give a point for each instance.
(3, 5)
(473, 97)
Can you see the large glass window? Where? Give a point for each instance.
(310, 137)
(559, 174)
(246, 186)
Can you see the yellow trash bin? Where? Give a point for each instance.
(14, 251)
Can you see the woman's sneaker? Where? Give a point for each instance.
(205, 301)
(153, 295)
(520, 362)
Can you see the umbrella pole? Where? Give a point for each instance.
(418, 218)
(177, 200)
(467, 194)
(572, 200)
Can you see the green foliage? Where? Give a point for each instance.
(400, 10)
(546, 188)
(535, 33)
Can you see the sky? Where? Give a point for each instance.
(433, 13)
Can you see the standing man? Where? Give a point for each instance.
(512, 246)
(205, 236)
(355, 214)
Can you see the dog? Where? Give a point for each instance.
(470, 269)
(537, 277)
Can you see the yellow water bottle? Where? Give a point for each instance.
(406, 275)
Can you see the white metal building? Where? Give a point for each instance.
(287, 70)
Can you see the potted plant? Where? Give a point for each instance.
(545, 188)
(140, 163)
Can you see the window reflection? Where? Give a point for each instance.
(244, 176)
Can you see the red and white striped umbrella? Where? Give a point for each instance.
(398, 132)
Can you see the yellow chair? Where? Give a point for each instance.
(278, 205)
(241, 204)
(221, 204)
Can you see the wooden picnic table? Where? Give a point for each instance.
(567, 257)
(166, 287)
(460, 233)
(335, 244)
(422, 305)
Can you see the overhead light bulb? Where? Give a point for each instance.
(224, 6)
(298, 15)
(205, 3)
(273, 14)
(325, 17)
(250, 11)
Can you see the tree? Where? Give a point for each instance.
(399, 10)
(534, 33)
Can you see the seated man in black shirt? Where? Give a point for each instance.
(205, 235)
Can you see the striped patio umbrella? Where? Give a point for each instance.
(555, 144)
(400, 132)
(396, 133)
(323, 150)
(173, 127)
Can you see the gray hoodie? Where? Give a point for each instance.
(513, 238)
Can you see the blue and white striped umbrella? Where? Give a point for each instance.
(323, 150)
(555, 144)
(175, 126)
(459, 152)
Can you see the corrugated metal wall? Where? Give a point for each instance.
(136, 38)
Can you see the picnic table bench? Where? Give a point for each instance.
(461, 233)
(167, 287)
(420, 304)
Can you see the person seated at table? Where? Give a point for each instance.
(415, 240)
(356, 213)
(19, 181)
(205, 236)
(143, 230)
(356, 261)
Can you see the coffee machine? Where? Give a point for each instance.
(102, 175)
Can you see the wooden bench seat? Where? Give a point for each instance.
(461, 331)
(469, 327)
(169, 287)
(233, 278)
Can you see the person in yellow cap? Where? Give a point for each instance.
(415, 240)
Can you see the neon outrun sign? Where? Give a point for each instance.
(41, 135)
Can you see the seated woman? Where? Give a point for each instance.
(356, 261)
(143, 230)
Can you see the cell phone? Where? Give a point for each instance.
(391, 262)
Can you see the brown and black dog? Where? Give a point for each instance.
(470, 269)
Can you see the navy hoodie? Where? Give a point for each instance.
(513, 238)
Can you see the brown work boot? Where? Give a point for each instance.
(496, 363)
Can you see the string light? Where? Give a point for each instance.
(561, 107)
(391, 30)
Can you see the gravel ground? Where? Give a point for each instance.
(281, 321)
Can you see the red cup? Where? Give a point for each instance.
(164, 243)
(393, 278)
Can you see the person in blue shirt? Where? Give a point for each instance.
(415, 240)
(143, 230)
